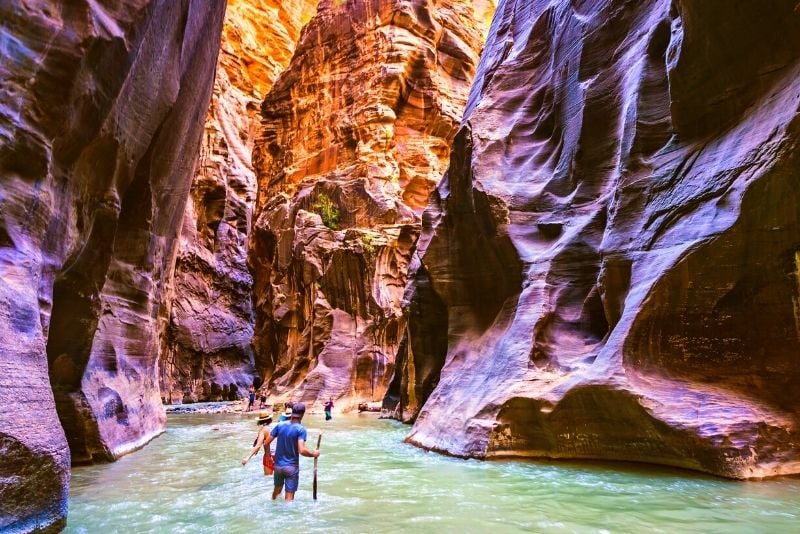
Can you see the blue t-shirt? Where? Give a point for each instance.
(287, 434)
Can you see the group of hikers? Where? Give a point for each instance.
(290, 436)
(262, 396)
(251, 398)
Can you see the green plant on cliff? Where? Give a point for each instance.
(369, 244)
(327, 210)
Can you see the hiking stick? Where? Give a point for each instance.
(319, 440)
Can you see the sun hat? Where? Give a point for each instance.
(264, 418)
(298, 410)
(287, 412)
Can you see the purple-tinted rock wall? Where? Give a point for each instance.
(101, 113)
(616, 242)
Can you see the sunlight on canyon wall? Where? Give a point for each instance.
(356, 135)
(207, 351)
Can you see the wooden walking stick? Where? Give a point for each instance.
(319, 440)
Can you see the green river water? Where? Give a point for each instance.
(190, 480)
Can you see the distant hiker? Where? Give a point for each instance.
(252, 391)
(264, 420)
(263, 399)
(328, 408)
(291, 436)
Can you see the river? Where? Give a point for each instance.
(190, 480)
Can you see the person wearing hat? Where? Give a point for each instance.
(286, 415)
(264, 420)
(291, 436)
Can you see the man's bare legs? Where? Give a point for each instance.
(277, 491)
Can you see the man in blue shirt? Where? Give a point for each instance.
(291, 436)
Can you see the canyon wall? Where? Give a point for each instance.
(356, 134)
(610, 268)
(102, 113)
(207, 353)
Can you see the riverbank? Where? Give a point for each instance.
(190, 480)
(222, 407)
(240, 407)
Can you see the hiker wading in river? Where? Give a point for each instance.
(291, 436)
(264, 420)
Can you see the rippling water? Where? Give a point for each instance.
(190, 480)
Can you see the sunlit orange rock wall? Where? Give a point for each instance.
(356, 135)
(207, 352)
(614, 251)
(101, 107)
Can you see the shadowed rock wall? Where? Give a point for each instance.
(102, 106)
(616, 242)
(356, 135)
(207, 352)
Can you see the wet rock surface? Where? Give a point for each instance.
(207, 352)
(615, 243)
(99, 130)
(356, 135)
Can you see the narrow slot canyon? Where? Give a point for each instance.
(552, 229)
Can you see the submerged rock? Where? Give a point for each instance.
(356, 135)
(99, 133)
(612, 259)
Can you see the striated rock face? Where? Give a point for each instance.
(207, 353)
(356, 135)
(614, 251)
(101, 118)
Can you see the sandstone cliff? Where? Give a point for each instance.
(610, 268)
(101, 119)
(356, 135)
(207, 353)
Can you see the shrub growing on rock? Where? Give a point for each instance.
(326, 208)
